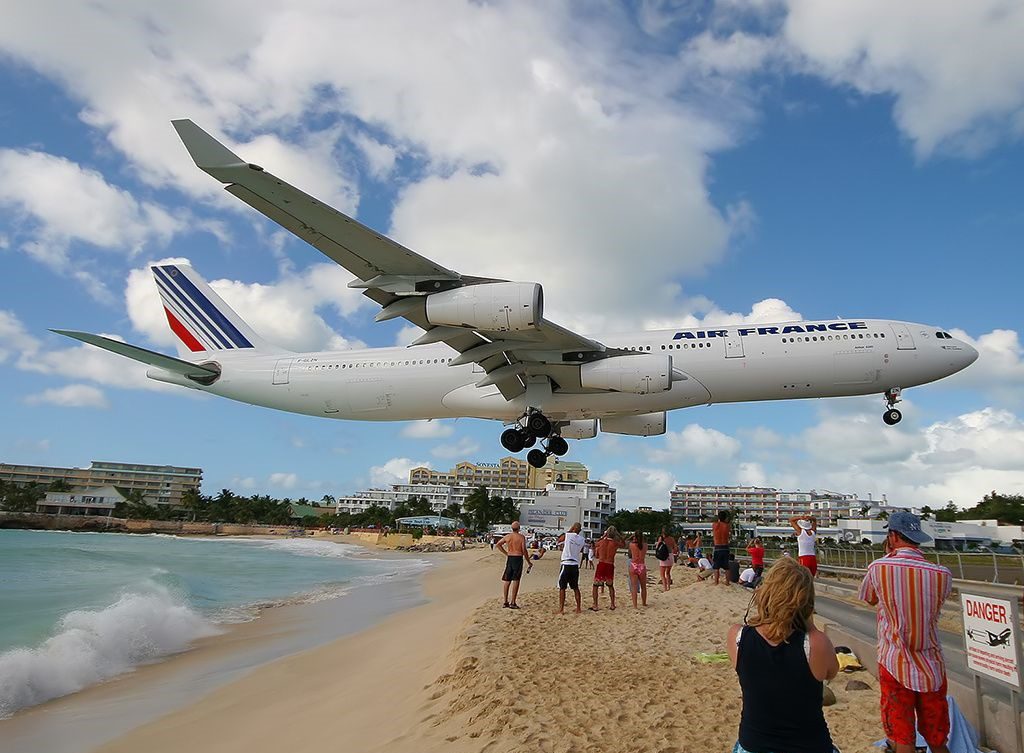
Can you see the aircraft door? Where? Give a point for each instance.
(904, 340)
(282, 371)
(733, 345)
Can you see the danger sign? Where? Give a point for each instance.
(991, 637)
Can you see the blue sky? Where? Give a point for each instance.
(654, 164)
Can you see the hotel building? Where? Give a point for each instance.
(692, 503)
(508, 473)
(160, 484)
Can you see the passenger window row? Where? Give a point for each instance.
(822, 338)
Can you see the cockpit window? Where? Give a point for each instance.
(943, 335)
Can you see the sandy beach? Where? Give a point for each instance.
(462, 674)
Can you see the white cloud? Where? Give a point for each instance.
(703, 312)
(641, 485)
(954, 70)
(427, 430)
(407, 334)
(461, 449)
(695, 444)
(394, 471)
(284, 312)
(59, 202)
(546, 145)
(999, 368)
(13, 336)
(283, 480)
(243, 482)
(71, 396)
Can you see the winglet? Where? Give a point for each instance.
(209, 154)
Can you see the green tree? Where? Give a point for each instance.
(649, 521)
(947, 514)
(1006, 508)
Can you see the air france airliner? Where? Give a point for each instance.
(488, 352)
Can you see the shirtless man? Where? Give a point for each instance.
(605, 549)
(513, 546)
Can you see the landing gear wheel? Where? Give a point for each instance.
(892, 417)
(513, 440)
(537, 458)
(557, 446)
(538, 425)
(529, 440)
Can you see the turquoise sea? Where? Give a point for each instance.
(80, 608)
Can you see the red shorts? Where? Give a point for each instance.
(605, 572)
(810, 562)
(899, 705)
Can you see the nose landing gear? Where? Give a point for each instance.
(892, 415)
(528, 430)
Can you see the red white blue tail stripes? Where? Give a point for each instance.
(200, 319)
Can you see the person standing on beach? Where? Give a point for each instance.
(721, 532)
(756, 552)
(569, 575)
(665, 552)
(638, 568)
(806, 538)
(513, 546)
(605, 549)
(782, 660)
(909, 591)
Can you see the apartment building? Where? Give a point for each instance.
(160, 484)
(508, 473)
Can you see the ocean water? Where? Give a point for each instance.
(80, 608)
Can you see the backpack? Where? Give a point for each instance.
(661, 551)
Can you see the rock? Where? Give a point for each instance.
(828, 698)
(857, 685)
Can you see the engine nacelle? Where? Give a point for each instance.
(490, 306)
(644, 425)
(639, 374)
(579, 429)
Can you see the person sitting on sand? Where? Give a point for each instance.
(538, 551)
(704, 569)
(782, 661)
(749, 578)
(605, 549)
(569, 576)
(638, 567)
(513, 546)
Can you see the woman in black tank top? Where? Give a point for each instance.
(782, 660)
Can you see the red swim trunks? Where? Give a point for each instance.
(900, 703)
(810, 562)
(605, 572)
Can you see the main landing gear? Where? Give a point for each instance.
(528, 430)
(892, 415)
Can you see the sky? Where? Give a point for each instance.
(652, 163)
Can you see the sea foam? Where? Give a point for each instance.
(90, 646)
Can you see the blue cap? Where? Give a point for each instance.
(909, 525)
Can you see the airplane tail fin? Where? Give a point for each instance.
(200, 319)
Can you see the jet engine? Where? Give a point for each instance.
(490, 306)
(644, 425)
(639, 374)
(579, 429)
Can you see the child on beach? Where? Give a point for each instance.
(638, 567)
(782, 661)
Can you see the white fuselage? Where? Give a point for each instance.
(731, 364)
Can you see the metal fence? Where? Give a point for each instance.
(976, 566)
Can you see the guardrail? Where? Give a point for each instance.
(982, 567)
(1008, 590)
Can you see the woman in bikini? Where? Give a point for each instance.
(782, 659)
(638, 567)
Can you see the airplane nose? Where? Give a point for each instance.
(970, 355)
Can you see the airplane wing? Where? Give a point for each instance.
(397, 278)
(195, 371)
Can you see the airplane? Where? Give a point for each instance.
(487, 351)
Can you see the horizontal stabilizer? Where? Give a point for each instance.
(193, 371)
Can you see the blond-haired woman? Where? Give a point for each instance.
(782, 659)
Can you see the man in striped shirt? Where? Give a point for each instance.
(909, 592)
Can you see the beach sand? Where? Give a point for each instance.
(462, 674)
